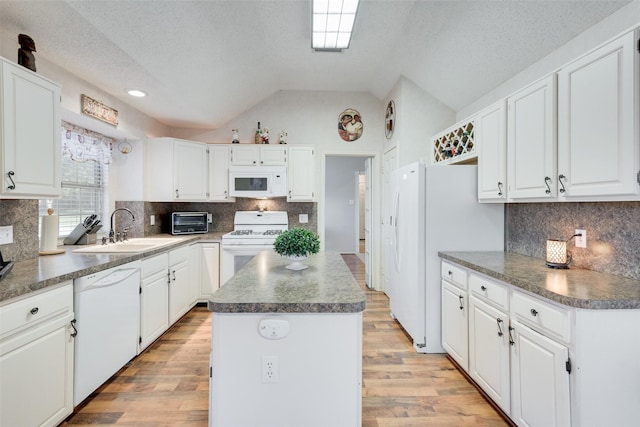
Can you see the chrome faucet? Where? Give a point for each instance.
(111, 231)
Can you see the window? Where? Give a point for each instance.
(85, 177)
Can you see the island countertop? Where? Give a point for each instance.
(574, 287)
(264, 285)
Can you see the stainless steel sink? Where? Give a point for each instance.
(137, 245)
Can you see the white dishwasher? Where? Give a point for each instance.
(107, 310)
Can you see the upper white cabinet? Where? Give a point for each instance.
(31, 155)
(531, 141)
(491, 143)
(219, 173)
(259, 155)
(599, 155)
(176, 170)
(301, 174)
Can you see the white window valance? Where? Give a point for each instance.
(82, 145)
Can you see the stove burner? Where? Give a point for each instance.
(272, 232)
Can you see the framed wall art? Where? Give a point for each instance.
(389, 119)
(350, 125)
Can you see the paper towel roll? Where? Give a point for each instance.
(49, 236)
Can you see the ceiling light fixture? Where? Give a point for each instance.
(137, 93)
(332, 24)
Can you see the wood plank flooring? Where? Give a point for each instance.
(167, 385)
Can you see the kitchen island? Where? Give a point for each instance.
(287, 345)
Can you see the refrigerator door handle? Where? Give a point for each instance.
(396, 229)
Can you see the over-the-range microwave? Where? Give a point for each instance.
(258, 181)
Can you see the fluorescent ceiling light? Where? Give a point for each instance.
(332, 23)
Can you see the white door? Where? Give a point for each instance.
(540, 381)
(455, 329)
(389, 164)
(367, 223)
(489, 351)
(531, 141)
(598, 146)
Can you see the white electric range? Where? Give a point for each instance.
(253, 232)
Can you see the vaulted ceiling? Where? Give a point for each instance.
(204, 62)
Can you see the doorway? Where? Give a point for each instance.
(347, 207)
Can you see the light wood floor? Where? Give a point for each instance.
(167, 385)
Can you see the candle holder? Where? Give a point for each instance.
(557, 254)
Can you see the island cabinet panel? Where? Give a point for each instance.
(317, 377)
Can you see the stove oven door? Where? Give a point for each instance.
(235, 256)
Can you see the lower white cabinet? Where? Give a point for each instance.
(154, 299)
(455, 312)
(182, 291)
(539, 379)
(209, 269)
(36, 359)
(489, 351)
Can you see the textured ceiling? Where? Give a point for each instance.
(205, 62)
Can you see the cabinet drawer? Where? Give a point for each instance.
(179, 255)
(454, 274)
(154, 264)
(33, 310)
(489, 291)
(541, 315)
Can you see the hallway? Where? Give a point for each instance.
(167, 385)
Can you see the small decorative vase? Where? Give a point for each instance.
(296, 262)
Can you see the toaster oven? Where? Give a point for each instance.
(189, 222)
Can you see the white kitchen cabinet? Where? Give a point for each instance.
(598, 107)
(219, 173)
(175, 170)
(31, 151)
(209, 268)
(540, 379)
(182, 292)
(532, 141)
(191, 170)
(455, 328)
(154, 299)
(489, 351)
(491, 143)
(36, 359)
(258, 155)
(301, 174)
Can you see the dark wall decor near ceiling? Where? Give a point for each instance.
(390, 119)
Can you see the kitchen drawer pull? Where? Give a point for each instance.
(13, 184)
(483, 288)
(461, 298)
(34, 310)
(534, 312)
(449, 272)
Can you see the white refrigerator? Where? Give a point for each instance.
(434, 209)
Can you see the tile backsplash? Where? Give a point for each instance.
(613, 233)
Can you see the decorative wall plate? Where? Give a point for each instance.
(350, 125)
(389, 119)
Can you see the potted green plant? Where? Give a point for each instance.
(296, 244)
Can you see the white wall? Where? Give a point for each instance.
(418, 117)
(622, 20)
(340, 230)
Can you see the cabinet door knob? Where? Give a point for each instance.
(34, 310)
(534, 312)
(483, 288)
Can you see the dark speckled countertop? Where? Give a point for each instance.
(574, 287)
(51, 270)
(264, 285)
